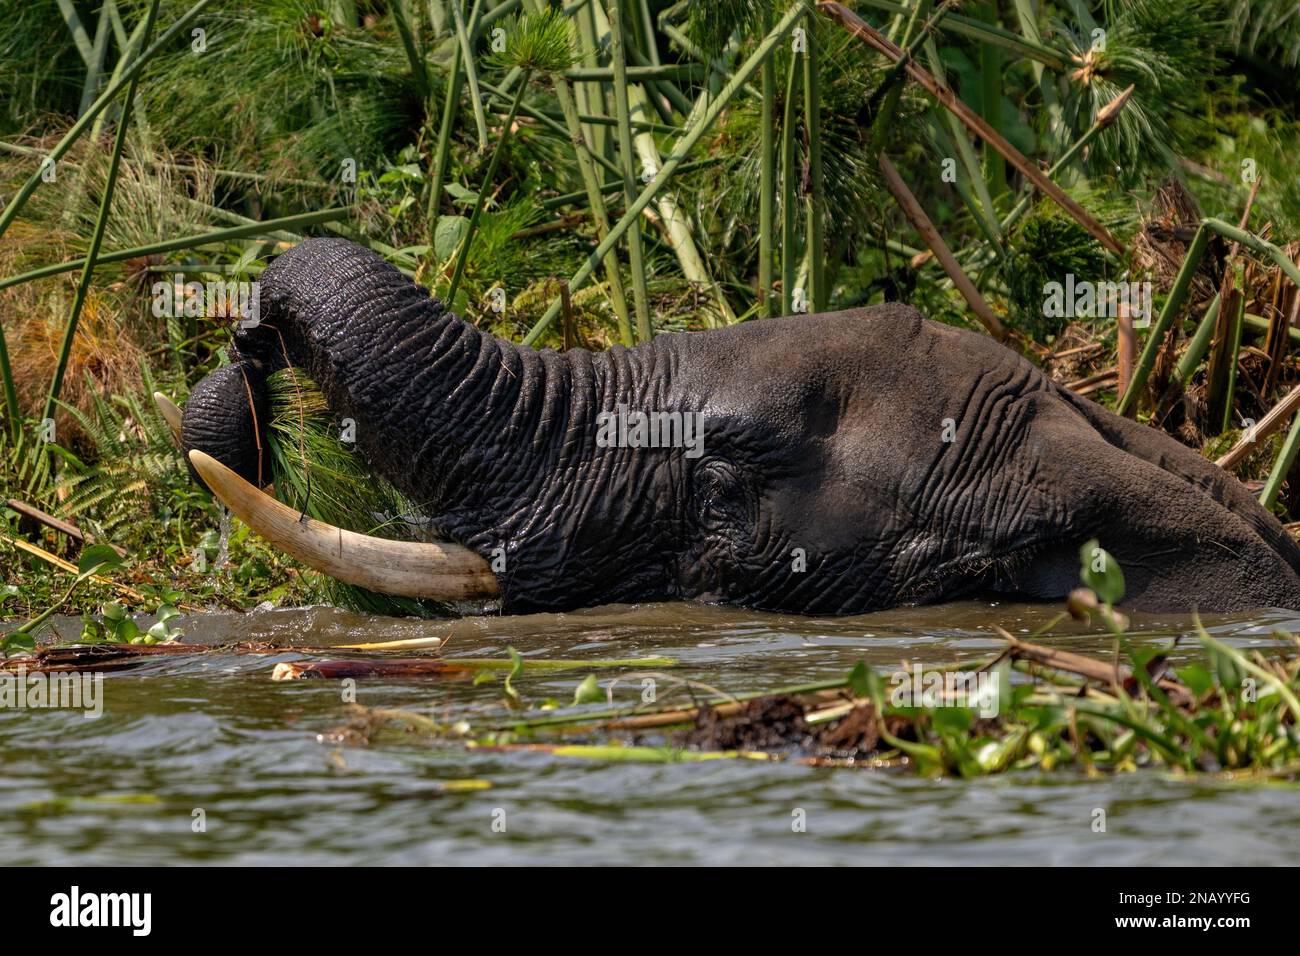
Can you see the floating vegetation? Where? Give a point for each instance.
(1029, 707)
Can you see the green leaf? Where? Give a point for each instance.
(516, 670)
(96, 558)
(864, 682)
(17, 641)
(588, 692)
(449, 235)
(1229, 670)
(123, 631)
(1101, 572)
(113, 611)
(1197, 678)
(951, 720)
(460, 195)
(8, 593)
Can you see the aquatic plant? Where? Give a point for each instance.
(1029, 707)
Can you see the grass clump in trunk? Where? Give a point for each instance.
(315, 471)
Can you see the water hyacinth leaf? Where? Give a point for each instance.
(1223, 653)
(96, 558)
(588, 692)
(992, 756)
(865, 682)
(1101, 572)
(16, 642)
(951, 720)
(516, 670)
(113, 612)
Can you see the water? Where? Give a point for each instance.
(213, 733)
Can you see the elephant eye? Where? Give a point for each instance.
(720, 497)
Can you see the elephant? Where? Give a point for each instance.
(823, 464)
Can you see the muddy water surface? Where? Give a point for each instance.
(213, 733)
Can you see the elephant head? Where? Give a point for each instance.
(831, 463)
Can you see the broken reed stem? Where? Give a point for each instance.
(683, 147)
(1230, 301)
(58, 524)
(1087, 667)
(1093, 383)
(788, 263)
(1126, 348)
(815, 238)
(442, 152)
(480, 199)
(912, 209)
(1285, 459)
(1105, 117)
(1235, 313)
(767, 184)
(623, 112)
(1224, 354)
(59, 563)
(594, 189)
(471, 71)
(566, 307)
(1173, 305)
(1276, 339)
(1182, 285)
(1277, 417)
(945, 96)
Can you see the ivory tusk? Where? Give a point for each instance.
(440, 572)
(170, 412)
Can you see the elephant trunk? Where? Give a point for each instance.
(438, 408)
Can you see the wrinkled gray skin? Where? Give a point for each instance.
(822, 433)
